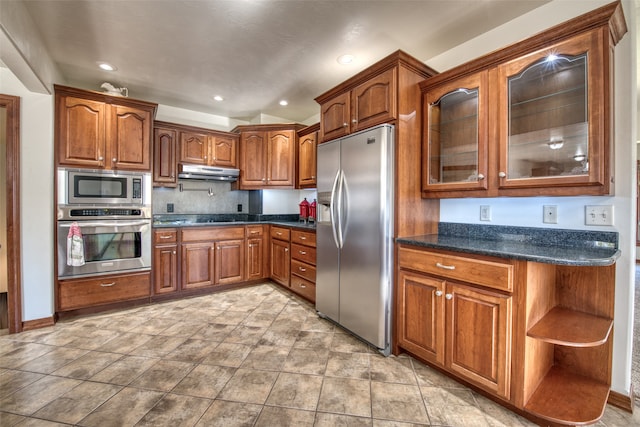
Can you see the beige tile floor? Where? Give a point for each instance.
(256, 356)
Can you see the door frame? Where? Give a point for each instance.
(14, 288)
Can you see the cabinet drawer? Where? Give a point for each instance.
(165, 236)
(198, 234)
(80, 293)
(480, 271)
(303, 253)
(303, 270)
(303, 287)
(280, 233)
(255, 231)
(303, 238)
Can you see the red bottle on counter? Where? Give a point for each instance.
(312, 211)
(304, 209)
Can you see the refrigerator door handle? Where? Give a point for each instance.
(340, 210)
(332, 207)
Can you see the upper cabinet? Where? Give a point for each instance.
(165, 141)
(371, 97)
(532, 119)
(307, 150)
(94, 130)
(267, 156)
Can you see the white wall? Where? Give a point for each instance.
(528, 211)
(36, 196)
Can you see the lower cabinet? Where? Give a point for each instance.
(90, 292)
(293, 259)
(257, 255)
(280, 257)
(461, 327)
(165, 261)
(229, 262)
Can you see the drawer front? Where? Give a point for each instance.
(303, 287)
(255, 231)
(303, 253)
(280, 233)
(169, 235)
(208, 234)
(80, 293)
(479, 271)
(303, 270)
(303, 238)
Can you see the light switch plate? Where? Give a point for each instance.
(598, 215)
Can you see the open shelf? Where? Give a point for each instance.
(571, 328)
(566, 398)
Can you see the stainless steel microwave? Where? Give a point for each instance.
(98, 187)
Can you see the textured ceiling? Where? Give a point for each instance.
(253, 53)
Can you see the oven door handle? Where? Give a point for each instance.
(82, 224)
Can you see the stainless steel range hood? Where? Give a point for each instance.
(208, 173)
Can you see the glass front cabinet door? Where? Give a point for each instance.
(552, 108)
(455, 136)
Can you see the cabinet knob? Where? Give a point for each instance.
(173, 176)
(438, 293)
(264, 179)
(114, 160)
(302, 269)
(302, 252)
(303, 286)
(174, 252)
(354, 121)
(205, 157)
(345, 124)
(313, 177)
(502, 175)
(480, 177)
(286, 249)
(100, 158)
(448, 296)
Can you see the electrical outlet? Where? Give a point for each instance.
(550, 214)
(598, 215)
(169, 207)
(239, 207)
(485, 213)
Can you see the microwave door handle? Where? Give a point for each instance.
(106, 224)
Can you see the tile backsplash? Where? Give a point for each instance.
(199, 197)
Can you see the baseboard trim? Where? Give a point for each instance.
(622, 401)
(38, 323)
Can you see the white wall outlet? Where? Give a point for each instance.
(485, 213)
(598, 215)
(550, 214)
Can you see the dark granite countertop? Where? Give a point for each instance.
(551, 246)
(209, 220)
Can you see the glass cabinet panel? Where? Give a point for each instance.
(453, 137)
(548, 125)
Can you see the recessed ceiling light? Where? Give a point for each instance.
(218, 98)
(284, 103)
(346, 59)
(106, 66)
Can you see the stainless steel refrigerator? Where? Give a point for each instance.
(354, 233)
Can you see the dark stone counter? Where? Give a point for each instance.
(208, 220)
(546, 245)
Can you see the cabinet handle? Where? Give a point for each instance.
(480, 177)
(438, 293)
(302, 269)
(446, 267)
(302, 252)
(303, 238)
(303, 286)
(502, 175)
(354, 121)
(114, 160)
(448, 296)
(205, 157)
(278, 233)
(255, 232)
(313, 177)
(345, 124)
(264, 179)
(174, 252)
(165, 237)
(100, 158)
(286, 249)
(107, 285)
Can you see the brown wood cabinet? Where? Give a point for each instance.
(303, 263)
(257, 252)
(528, 120)
(267, 156)
(165, 143)
(205, 148)
(280, 255)
(94, 130)
(459, 326)
(95, 291)
(307, 153)
(165, 261)
(387, 92)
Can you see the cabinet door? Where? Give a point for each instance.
(281, 158)
(307, 160)
(479, 336)
(129, 135)
(374, 102)
(223, 151)
(455, 135)
(194, 148)
(255, 258)
(165, 269)
(421, 315)
(197, 265)
(164, 157)
(280, 262)
(81, 132)
(253, 159)
(553, 104)
(229, 261)
(335, 117)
